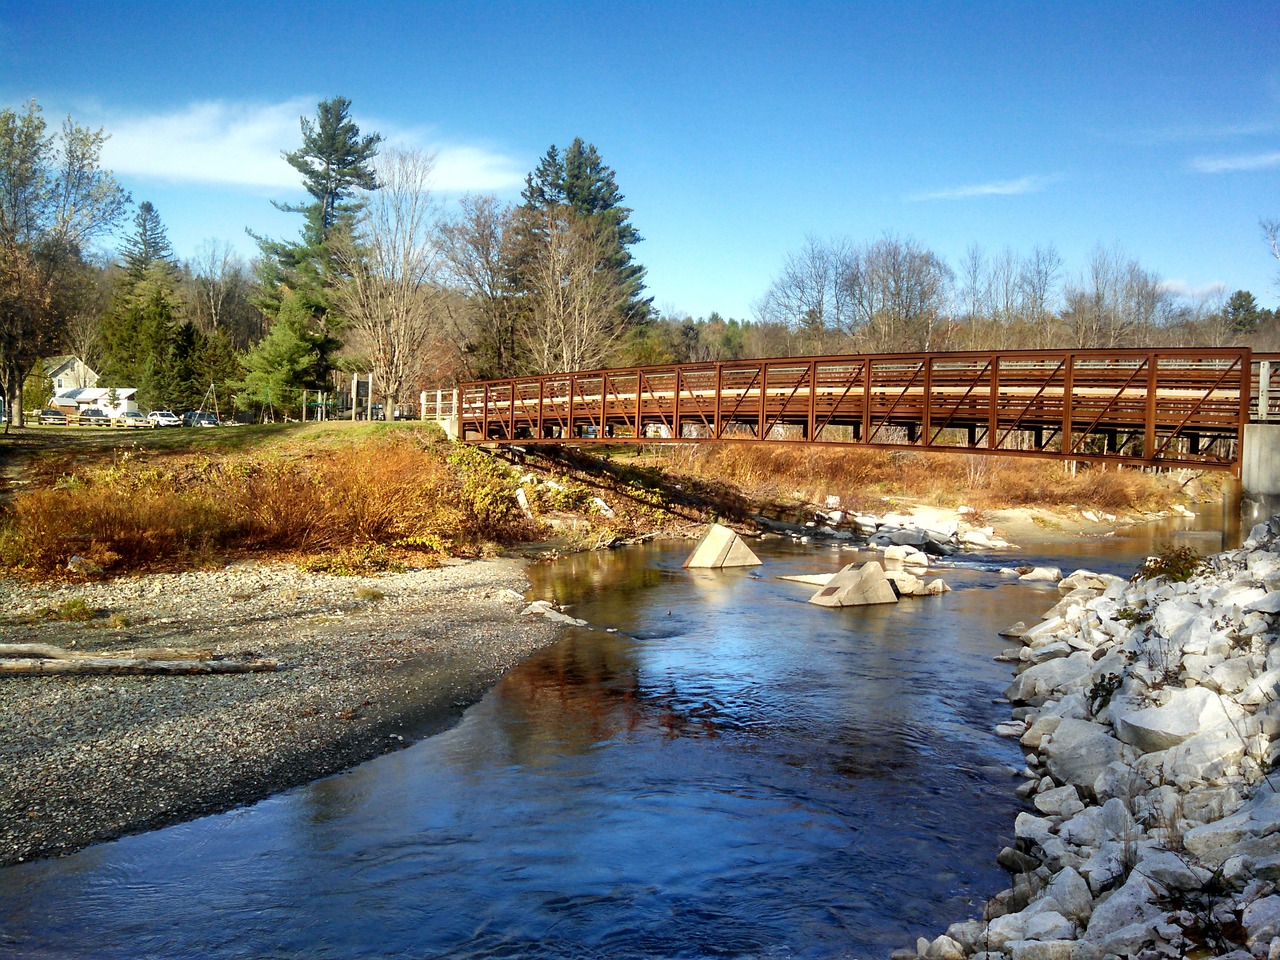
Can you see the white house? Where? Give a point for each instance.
(74, 399)
(69, 372)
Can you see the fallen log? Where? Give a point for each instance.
(123, 666)
(47, 651)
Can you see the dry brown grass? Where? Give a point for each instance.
(862, 477)
(392, 490)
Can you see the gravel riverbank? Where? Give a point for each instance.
(368, 665)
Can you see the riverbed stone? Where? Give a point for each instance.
(1061, 802)
(1268, 604)
(1127, 918)
(904, 556)
(1042, 950)
(1262, 920)
(1042, 575)
(1067, 895)
(944, 948)
(1044, 629)
(1265, 687)
(1173, 872)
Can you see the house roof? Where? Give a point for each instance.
(55, 365)
(92, 394)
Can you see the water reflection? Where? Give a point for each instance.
(734, 773)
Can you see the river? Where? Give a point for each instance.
(730, 772)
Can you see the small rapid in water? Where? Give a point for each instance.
(732, 773)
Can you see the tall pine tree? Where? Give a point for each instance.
(580, 181)
(335, 161)
(148, 243)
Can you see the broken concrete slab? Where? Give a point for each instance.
(813, 579)
(721, 547)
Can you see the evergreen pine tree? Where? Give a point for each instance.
(1242, 312)
(335, 161)
(580, 181)
(285, 361)
(148, 244)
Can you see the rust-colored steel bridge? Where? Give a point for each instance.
(1166, 407)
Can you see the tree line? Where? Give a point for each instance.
(385, 279)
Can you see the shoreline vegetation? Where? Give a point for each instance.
(381, 566)
(347, 498)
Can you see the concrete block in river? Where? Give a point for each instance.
(856, 587)
(721, 547)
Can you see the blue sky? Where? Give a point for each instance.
(736, 129)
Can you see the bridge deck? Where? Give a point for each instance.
(1175, 407)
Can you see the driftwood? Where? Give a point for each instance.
(49, 652)
(40, 659)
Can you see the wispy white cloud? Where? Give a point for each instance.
(239, 145)
(1191, 132)
(994, 188)
(214, 142)
(1237, 163)
(1206, 291)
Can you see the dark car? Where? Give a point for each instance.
(93, 417)
(52, 416)
(199, 418)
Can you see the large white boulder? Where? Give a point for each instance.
(1208, 757)
(1079, 750)
(1186, 713)
(1068, 895)
(1261, 920)
(1045, 678)
(1127, 918)
(905, 556)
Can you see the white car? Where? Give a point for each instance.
(164, 418)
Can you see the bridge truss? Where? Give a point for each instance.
(1169, 407)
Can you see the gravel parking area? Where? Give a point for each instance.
(368, 665)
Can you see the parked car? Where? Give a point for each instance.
(132, 418)
(164, 418)
(93, 417)
(52, 416)
(199, 418)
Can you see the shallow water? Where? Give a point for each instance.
(733, 773)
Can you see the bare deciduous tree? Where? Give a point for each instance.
(572, 308)
(810, 294)
(1271, 231)
(389, 296)
(218, 292)
(1115, 303)
(899, 291)
(474, 246)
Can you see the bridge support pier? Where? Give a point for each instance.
(1260, 472)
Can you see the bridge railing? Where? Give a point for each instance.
(1173, 406)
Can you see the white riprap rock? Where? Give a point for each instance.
(1187, 711)
(1079, 750)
